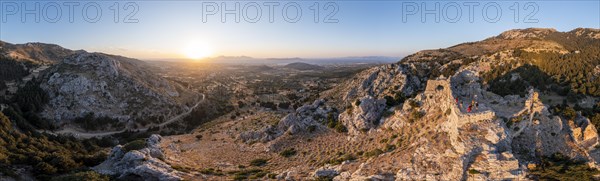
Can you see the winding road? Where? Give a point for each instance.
(86, 135)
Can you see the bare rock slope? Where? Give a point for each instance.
(112, 86)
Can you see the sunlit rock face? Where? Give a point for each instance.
(107, 85)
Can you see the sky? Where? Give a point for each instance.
(160, 29)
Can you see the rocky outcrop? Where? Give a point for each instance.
(481, 147)
(326, 172)
(143, 164)
(587, 32)
(363, 115)
(304, 117)
(111, 86)
(377, 82)
(584, 132)
(527, 33)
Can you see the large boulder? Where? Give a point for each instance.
(363, 115)
(293, 123)
(326, 173)
(143, 164)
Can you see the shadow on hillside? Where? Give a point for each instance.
(517, 82)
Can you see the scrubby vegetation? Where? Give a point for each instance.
(560, 167)
(249, 174)
(25, 105)
(333, 123)
(373, 153)
(288, 152)
(12, 70)
(574, 70)
(415, 115)
(48, 155)
(341, 157)
(134, 145)
(205, 112)
(517, 81)
(571, 73)
(87, 175)
(90, 122)
(259, 162)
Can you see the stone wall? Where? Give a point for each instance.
(441, 92)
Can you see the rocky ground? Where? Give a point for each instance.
(428, 137)
(106, 85)
(403, 121)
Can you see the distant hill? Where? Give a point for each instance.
(35, 52)
(303, 66)
(261, 68)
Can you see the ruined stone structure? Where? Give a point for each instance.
(440, 93)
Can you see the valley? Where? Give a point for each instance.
(522, 105)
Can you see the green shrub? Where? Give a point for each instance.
(473, 171)
(211, 171)
(389, 148)
(134, 145)
(388, 113)
(312, 128)
(86, 175)
(416, 115)
(560, 167)
(340, 159)
(340, 128)
(413, 103)
(569, 113)
(259, 162)
(373, 153)
(596, 121)
(250, 174)
(288, 152)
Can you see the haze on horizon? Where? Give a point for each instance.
(182, 30)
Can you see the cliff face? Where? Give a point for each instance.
(499, 137)
(111, 86)
(143, 164)
(79, 83)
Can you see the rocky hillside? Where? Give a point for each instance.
(93, 90)
(489, 110)
(39, 53)
(502, 135)
(112, 86)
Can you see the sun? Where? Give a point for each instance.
(196, 51)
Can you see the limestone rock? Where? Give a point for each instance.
(364, 116)
(108, 85)
(325, 173)
(304, 117)
(144, 164)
